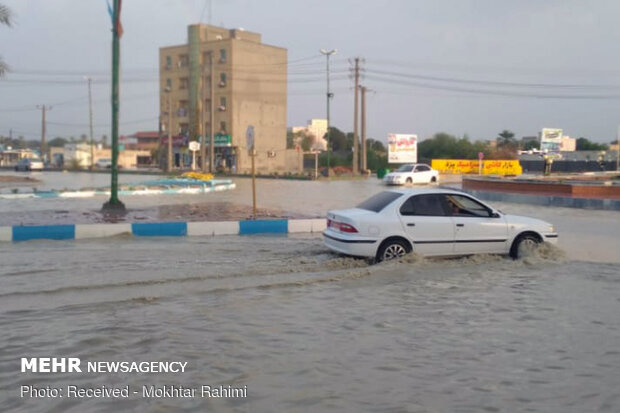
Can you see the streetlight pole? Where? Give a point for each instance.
(168, 93)
(90, 117)
(114, 204)
(327, 54)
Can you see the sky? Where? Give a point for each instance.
(473, 67)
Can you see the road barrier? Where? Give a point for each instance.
(161, 229)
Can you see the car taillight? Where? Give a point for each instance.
(339, 226)
(347, 228)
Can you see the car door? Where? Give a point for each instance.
(478, 230)
(428, 224)
(422, 174)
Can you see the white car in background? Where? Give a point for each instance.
(412, 173)
(103, 163)
(29, 164)
(431, 222)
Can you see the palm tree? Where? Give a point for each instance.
(506, 138)
(5, 18)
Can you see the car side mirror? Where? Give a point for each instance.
(495, 214)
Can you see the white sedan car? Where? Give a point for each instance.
(431, 222)
(412, 173)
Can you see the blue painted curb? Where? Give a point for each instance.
(25, 233)
(263, 227)
(159, 229)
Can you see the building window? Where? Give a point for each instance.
(207, 105)
(183, 60)
(183, 111)
(222, 79)
(184, 82)
(222, 55)
(168, 62)
(222, 127)
(222, 107)
(184, 128)
(169, 83)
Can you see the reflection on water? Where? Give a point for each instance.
(307, 330)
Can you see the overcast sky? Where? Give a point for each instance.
(463, 67)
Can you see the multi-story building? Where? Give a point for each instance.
(221, 82)
(316, 128)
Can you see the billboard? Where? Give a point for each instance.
(402, 148)
(550, 140)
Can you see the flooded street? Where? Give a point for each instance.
(310, 331)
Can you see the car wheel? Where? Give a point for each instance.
(392, 249)
(409, 180)
(523, 246)
(433, 180)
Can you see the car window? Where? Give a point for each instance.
(421, 168)
(464, 206)
(424, 205)
(405, 168)
(379, 201)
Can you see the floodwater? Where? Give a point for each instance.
(310, 331)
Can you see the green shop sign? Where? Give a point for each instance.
(220, 140)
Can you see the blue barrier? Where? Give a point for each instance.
(25, 233)
(155, 229)
(143, 229)
(279, 226)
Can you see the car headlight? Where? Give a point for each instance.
(551, 228)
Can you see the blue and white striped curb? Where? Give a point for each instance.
(161, 229)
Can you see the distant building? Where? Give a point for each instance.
(9, 157)
(145, 141)
(248, 88)
(568, 144)
(78, 155)
(316, 128)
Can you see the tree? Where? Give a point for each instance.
(375, 145)
(584, 144)
(5, 18)
(338, 139)
(532, 144)
(506, 138)
(290, 140)
(57, 142)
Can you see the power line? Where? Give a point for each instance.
(491, 92)
(490, 82)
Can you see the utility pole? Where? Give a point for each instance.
(618, 149)
(203, 130)
(211, 116)
(355, 117)
(330, 95)
(169, 106)
(364, 166)
(43, 146)
(90, 116)
(114, 204)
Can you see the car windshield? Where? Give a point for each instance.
(405, 168)
(379, 201)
